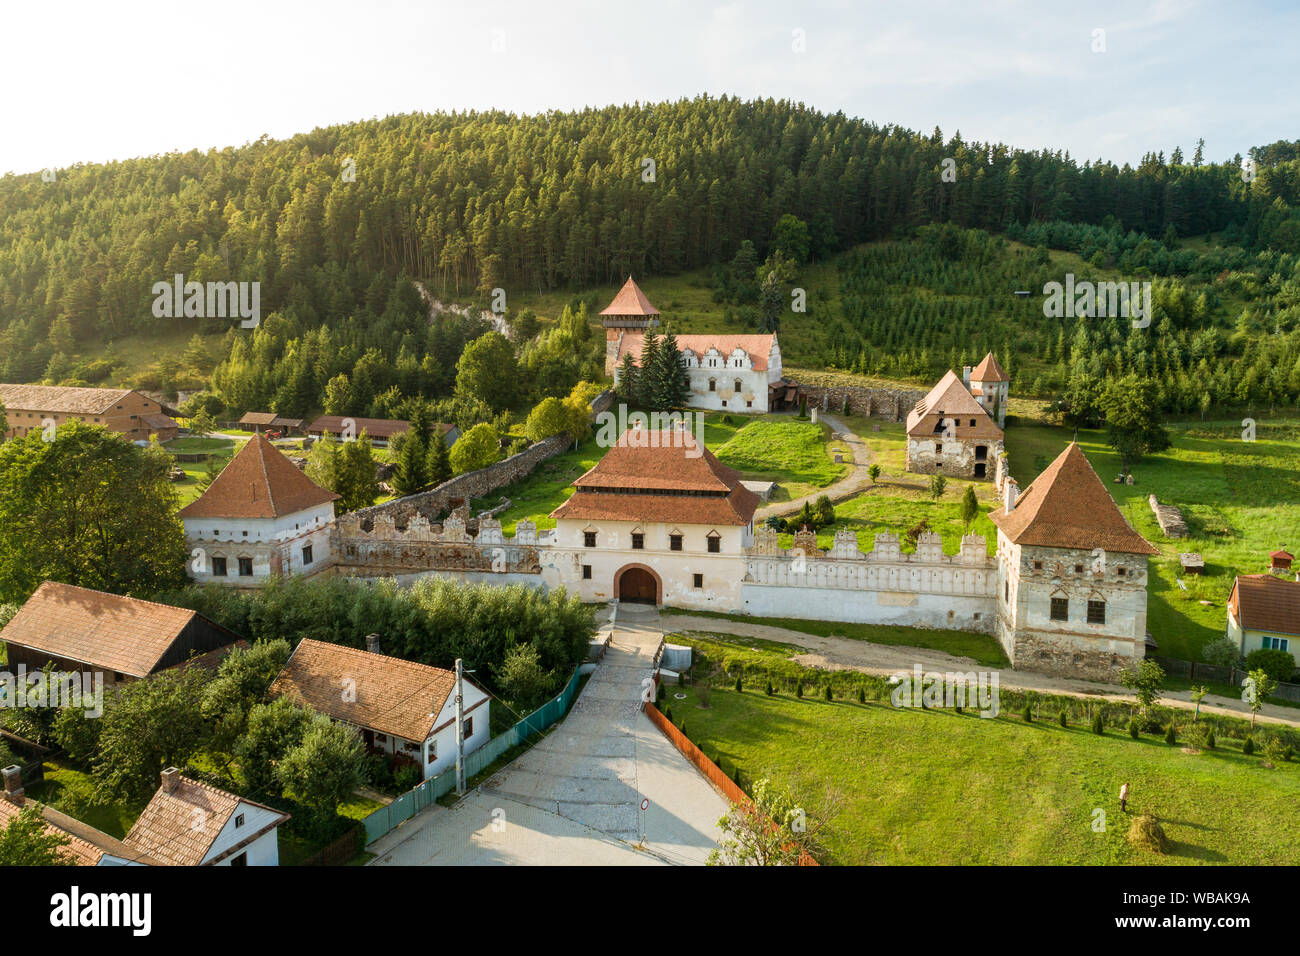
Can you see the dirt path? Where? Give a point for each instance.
(844, 653)
(846, 487)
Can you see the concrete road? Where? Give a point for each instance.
(575, 798)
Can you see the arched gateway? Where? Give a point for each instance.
(637, 584)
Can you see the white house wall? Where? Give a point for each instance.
(264, 851)
(444, 736)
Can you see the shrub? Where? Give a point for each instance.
(406, 777)
(735, 776)
(1209, 740)
(1221, 652)
(873, 472)
(1028, 713)
(1248, 746)
(1134, 728)
(1098, 727)
(668, 713)
(1171, 734)
(739, 686)
(828, 692)
(798, 689)
(770, 689)
(1275, 748)
(726, 420)
(862, 696)
(1062, 719)
(1145, 833)
(682, 728)
(1278, 665)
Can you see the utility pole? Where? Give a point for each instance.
(460, 730)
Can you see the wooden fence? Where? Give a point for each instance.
(1219, 674)
(340, 851)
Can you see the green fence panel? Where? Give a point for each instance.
(385, 819)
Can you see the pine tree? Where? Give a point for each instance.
(438, 463)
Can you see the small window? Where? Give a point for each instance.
(1096, 612)
(1121, 572)
(938, 448)
(1078, 569)
(588, 539)
(738, 382)
(381, 738)
(972, 423)
(638, 541)
(715, 544)
(724, 403)
(245, 567)
(749, 404)
(674, 542)
(586, 572)
(713, 385)
(239, 820)
(1038, 565)
(469, 727)
(1060, 609)
(433, 750)
(241, 860)
(306, 554)
(1275, 644)
(698, 580)
(218, 567)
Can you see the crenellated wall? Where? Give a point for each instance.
(381, 547)
(926, 588)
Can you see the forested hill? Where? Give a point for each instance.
(471, 201)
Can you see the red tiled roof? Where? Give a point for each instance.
(86, 846)
(630, 301)
(62, 399)
(382, 428)
(1263, 602)
(259, 482)
(693, 488)
(757, 347)
(108, 631)
(950, 399)
(989, 371)
(1067, 506)
(179, 825)
(393, 696)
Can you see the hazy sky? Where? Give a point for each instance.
(94, 81)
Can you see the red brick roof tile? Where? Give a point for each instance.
(259, 482)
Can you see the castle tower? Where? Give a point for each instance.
(1072, 575)
(630, 311)
(990, 385)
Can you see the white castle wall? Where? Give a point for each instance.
(884, 586)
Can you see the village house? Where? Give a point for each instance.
(86, 846)
(138, 417)
(734, 373)
(401, 708)
(190, 823)
(85, 631)
(949, 432)
(1264, 613)
(380, 431)
(261, 518)
(658, 520)
(270, 422)
(1072, 588)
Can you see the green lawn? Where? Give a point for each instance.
(936, 787)
(68, 789)
(982, 648)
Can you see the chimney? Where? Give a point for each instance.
(372, 644)
(13, 777)
(1012, 493)
(171, 778)
(965, 375)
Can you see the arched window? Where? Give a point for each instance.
(713, 385)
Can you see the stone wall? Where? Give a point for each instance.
(887, 403)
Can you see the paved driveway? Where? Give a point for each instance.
(575, 797)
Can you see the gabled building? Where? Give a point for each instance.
(1072, 575)
(85, 631)
(380, 431)
(658, 520)
(136, 416)
(949, 432)
(261, 518)
(190, 823)
(990, 385)
(399, 707)
(734, 373)
(1264, 612)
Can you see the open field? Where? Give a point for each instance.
(936, 787)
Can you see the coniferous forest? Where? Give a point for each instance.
(340, 224)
